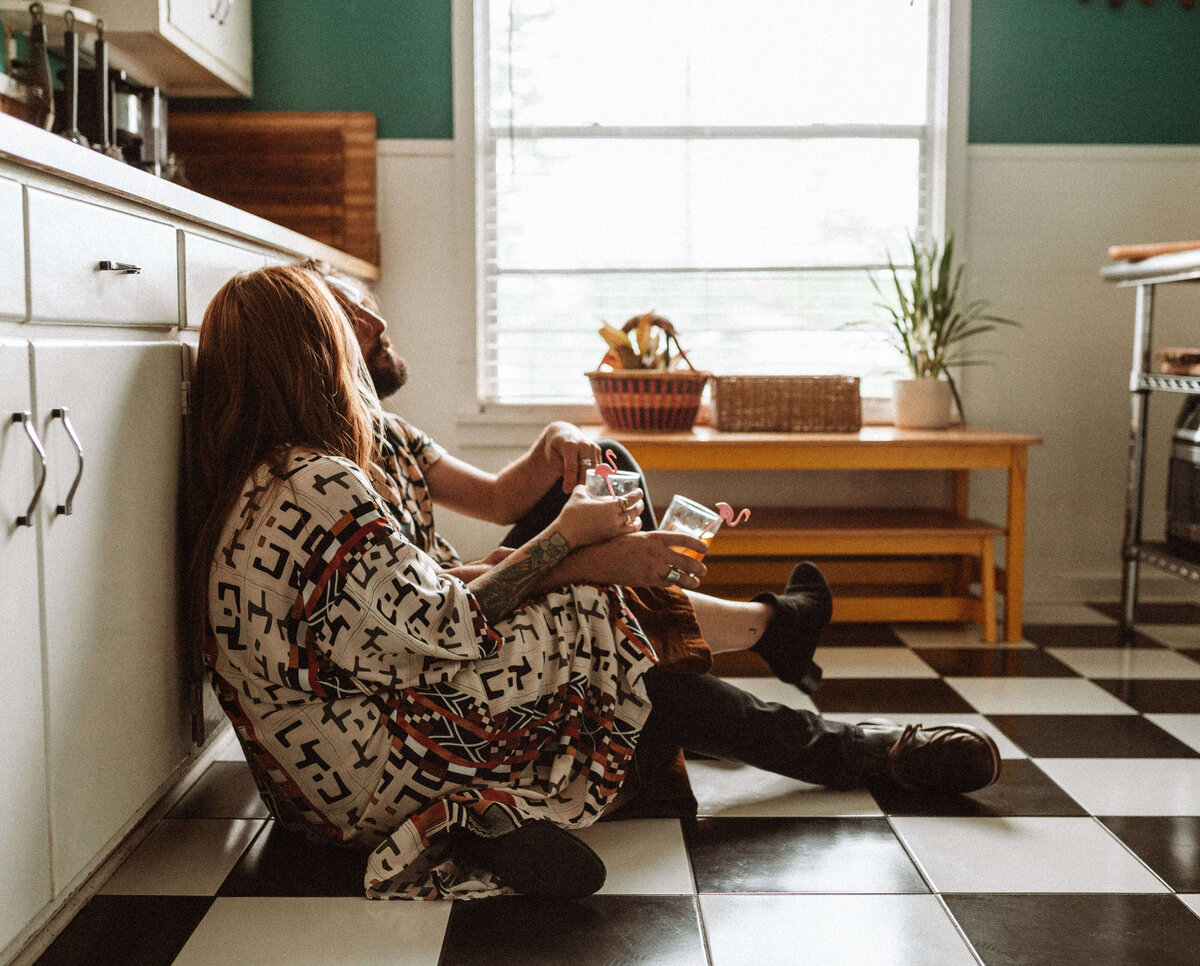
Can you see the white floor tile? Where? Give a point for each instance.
(1129, 786)
(1173, 635)
(1007, 748)
(1126, 662)
(317, 932)
(1192, 902)
(772, 689)
(873, 662)
(184, 857)
(1023, 855)
(946, 635)
(1048, 612)
(230, 748)
(1185, 727)
(1037, 696)
(643, 856)
(844, 930)
(731, 790)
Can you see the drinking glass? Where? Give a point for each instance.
(622, 482)
(695, 519)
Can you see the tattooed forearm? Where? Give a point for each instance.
(500, 591)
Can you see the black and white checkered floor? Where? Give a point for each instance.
(1086, 852)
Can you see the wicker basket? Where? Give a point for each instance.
(646, 399)
(650, 398)
(787, 404)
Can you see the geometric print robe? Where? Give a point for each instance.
(376, 704)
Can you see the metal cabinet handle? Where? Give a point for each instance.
(26, 419)
(123, 267)
(65, 508)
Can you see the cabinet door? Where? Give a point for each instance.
(25, 831)
(221, 27)
(116, 709)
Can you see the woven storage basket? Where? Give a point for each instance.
(787, 404)
(650, 398)
(645, 399)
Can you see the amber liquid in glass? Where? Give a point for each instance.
(695, 554)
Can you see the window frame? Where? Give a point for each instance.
(947, 144)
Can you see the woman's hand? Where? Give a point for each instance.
(569, 452)
(587, 519)
(638, 560)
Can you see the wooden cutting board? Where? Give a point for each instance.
(1135, 253)
(313, 172)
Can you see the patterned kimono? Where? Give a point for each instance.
(376, 703)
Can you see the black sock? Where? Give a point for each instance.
(802, 612)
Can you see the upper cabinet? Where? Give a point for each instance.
(194, 48)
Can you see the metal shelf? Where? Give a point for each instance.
(1158, 555)
(1163, 383)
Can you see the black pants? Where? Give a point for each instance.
(704, 714)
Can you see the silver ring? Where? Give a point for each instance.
(587, 462)
(673, 575)
(623, 501)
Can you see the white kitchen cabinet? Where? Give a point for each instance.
(117, 718)
(91, 264)
(12, 250)
(94, 695)
(195, 48)
(24, 857)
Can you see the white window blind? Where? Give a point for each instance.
(735, 167)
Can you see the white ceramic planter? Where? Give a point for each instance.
(922, 403)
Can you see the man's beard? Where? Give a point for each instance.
(388, 371)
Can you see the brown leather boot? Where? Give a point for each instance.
(943, 759)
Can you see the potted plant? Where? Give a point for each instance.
(930, 324)
(645, 386)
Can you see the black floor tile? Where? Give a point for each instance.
(1169, 844)
(282, 863)
(225, 790)
(1078, 930)
(1085, 635)
(883, 695)
(1022, 789)
(1181, 612)
(1156, 696)
(1008, 662)
(1090, 736)
(127, 930)
(799, 855)
(867, 635)
(596, 931)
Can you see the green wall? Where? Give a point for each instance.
(1042, 71)
(389, 57)
(1066, 71)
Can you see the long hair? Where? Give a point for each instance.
(277, 367)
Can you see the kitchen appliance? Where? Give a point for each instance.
(1183, 483)
(139, 122)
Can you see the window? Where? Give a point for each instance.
(735, 167)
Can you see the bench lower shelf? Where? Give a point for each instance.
(883, 564)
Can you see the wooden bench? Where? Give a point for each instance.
(863, 551)
(761, 551)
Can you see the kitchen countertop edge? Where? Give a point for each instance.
(29, 146)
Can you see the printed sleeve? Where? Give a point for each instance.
(370, 602)
(425, 450)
